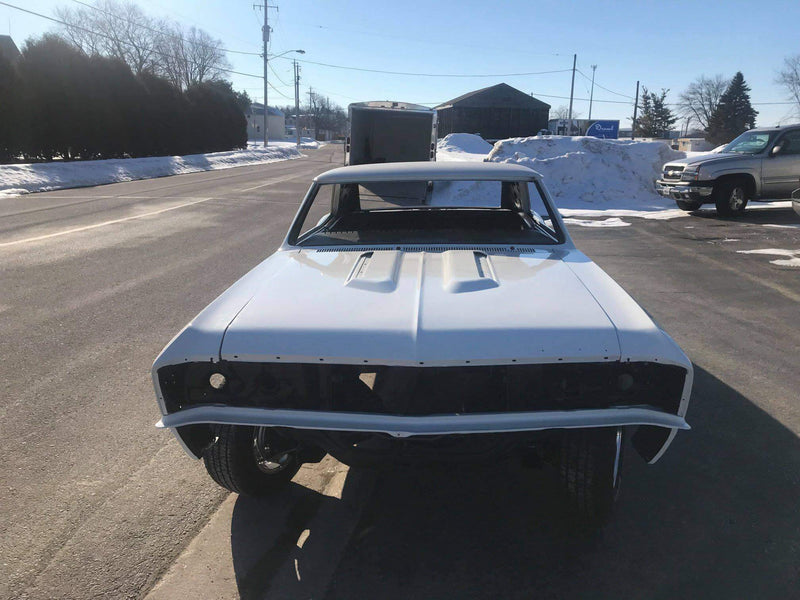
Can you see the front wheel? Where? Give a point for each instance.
(252, 461)
(730, 197)
(589, 466)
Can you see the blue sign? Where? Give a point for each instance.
(604, 129)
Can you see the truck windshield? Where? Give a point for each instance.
(750, 142)
(426, 212)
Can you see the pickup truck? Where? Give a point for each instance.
(760, 164)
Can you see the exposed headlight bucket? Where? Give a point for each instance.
(217, 381)
(625, 382)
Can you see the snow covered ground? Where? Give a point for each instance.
(42, 177)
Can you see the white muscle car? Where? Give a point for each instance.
(417, 312)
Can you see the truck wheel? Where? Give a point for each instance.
(589, 466)
(251, 461)
(689, 205)
(730, 197)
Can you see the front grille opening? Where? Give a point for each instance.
(419, 391)
(673, 172)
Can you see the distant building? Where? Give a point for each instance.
(495, 113)
(8, 49)
(255, 123)
(694, 144)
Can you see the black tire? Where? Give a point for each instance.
(689, 205)
(590, 466)
(730, 197)
(232, 462)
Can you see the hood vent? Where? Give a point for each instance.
(464, 271)
(375, 271)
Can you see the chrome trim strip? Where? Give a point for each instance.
(617, 455)
(401, 426)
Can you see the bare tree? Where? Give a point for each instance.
(114, 28)
(699, 101)
(325, 114)
(122, 30)
(562, 112)
(789, 78)
(192, 56)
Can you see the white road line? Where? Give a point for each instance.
(273, 181)
(103, 224)
(148, 214)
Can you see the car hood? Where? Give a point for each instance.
(442, 307)
(711, 158)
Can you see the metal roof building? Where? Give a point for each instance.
(496, 112)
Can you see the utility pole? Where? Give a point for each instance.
(297, 101)
(572, 90)
(265, 30)
(635, 108)
(591, 94)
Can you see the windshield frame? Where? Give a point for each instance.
(556, 235)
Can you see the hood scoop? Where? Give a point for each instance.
(464, 271)
(375, 272)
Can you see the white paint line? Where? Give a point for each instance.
(273, 182)
(103, 224)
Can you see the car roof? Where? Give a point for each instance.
(778, 128)
(428, 171)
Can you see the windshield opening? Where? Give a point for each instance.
(426, 212)
(750, 142)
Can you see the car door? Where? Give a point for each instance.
(780, 173)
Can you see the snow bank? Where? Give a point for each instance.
(462, 146)
(42, 177)
(586, 173)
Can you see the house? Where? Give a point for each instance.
(8, 49)
(255, 123)
(496, 112)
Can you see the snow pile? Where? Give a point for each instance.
(462, 146)
(42, 177)
(586, 173)
(791, 258)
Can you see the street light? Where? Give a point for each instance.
(266, 87)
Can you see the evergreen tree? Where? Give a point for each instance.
(9, 110)
(655, 119)
(734, 114)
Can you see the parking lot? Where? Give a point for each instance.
(98, 503)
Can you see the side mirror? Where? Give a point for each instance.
(776, 149)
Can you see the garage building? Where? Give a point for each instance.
(495, 112)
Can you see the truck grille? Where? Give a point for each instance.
(673, 172)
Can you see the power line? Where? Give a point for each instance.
(383, 72)
(604, 88)
(278, 77)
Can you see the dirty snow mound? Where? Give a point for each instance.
(459, 146)
(587, 173)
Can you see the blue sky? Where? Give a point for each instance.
(663, 44)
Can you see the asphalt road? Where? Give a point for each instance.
(98, 503)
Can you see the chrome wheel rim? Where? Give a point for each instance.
(268, 461)
(736, 200)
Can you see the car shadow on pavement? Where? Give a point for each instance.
(754, 214)
(717, 517)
